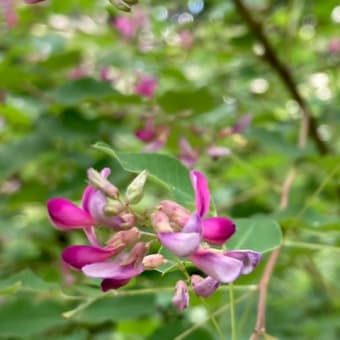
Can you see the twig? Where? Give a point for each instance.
(260, 328)
(308, 127)
(309, 122)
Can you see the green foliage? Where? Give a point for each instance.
(68, 81)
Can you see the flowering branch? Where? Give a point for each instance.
(309, 122)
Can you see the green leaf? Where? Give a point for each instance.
(118, 308)
(26, 280)
(77, 91)
(258, 233)
(163, 169)
(25, 317)
(199, 101)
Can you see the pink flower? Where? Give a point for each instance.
(334, 46)
(121, 270)
(146, 86)
(155, 136)
(126, 26)
(188, 155)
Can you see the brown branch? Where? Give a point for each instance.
(285, 75)
(260, 328)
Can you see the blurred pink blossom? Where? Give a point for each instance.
(78, 73)
(146, 86)
(9, 12)
(125, 26)
(186, 39)
(188, 156)
(216, 152)
(334, 46)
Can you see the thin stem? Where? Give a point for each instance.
(216, 313)
(232, 312)
(213, 321)
(283, 72)
(260, 327)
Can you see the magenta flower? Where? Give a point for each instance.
(194, 227)
(65, 215)
(225, 267)
(146, 86)
(121, 270)
(216, 230)
(80, 255)
(181, 298)
(149, 132)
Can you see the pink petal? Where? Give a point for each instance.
(217, 230)
(88, 192)
(222, 268)
(202, 193)
(66, 215)
(181, 244)
(79, 256)
(249, 258)
(112, 270)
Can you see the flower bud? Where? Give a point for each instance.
(204, 287)
(160, 222)
(136, 255)
(123, 238)
(153, 261)
(114, 208)
(128, 220)
(134, 192)
(181, 298)
(98, 181)
(175, 212)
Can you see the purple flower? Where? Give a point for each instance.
(216, 152)
(65, 215)
(181, 298)
(121, 270)
(225, 267)
(204, 286)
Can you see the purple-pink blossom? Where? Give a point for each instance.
(146, 86)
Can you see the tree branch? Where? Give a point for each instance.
(310, 124)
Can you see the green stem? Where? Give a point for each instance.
(232, 312)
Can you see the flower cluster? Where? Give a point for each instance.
(125, 254)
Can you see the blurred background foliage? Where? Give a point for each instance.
(68, 78)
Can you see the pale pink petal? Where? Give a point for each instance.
(181, 244)
(222, 268)
(112, 270)
(249, 258)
